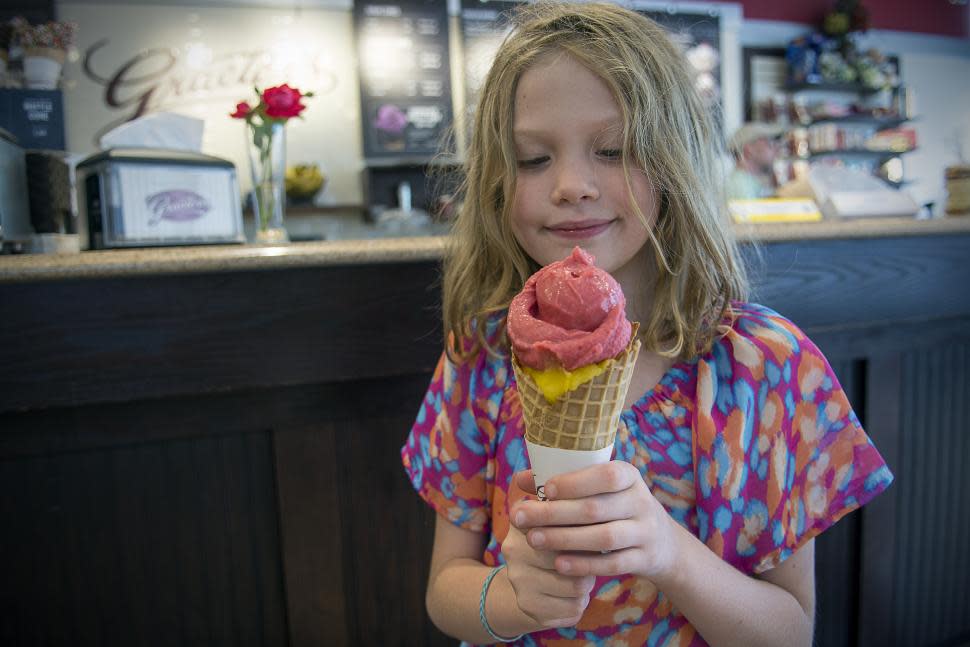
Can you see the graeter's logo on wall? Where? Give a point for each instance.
(162, 78)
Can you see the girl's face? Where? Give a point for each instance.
(570, 188)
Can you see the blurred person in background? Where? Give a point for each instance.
(754, 146)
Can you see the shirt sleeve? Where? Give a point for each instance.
(790, 458)
(447, 455)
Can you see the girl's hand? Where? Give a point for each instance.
(601, 520)
(550, 598)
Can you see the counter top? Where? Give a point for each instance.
(852, 228)
(229, 258)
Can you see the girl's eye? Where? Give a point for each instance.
(611, 154)
(533, 162)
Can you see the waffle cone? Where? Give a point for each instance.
(585, 418)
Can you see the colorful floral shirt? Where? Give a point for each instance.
(753, 447)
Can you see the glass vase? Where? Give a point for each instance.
(267, 160)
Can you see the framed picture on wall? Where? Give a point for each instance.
(764, 75)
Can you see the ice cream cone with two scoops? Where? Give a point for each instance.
(573, 354)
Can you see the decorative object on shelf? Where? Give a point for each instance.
(45, 50)
(847, 17)
(266, 144)
(303, 183)
(832, 56)
(957, 190)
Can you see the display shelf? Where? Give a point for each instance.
(849, 88)
(314, 210)
(857, 152)
(412, 161)
(881, 123)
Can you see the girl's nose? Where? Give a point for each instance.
(574, 182)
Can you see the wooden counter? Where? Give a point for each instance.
(241, 258)
(201, 446)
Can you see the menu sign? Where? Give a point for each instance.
(405, 83)
(484, 25)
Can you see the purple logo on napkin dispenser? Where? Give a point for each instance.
(178, 205)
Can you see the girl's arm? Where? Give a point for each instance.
(729, 608)
(609, 508)
(457, 575)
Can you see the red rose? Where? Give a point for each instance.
(242, 110)
(283, 102)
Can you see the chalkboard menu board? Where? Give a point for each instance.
(699, 37)
(405, 78)
(484, 24)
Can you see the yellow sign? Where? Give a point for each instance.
(774, 210)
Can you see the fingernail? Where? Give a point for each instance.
(565, 566)
(550, 491)
(538, 538)
(519, 518)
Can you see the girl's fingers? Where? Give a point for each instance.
(572, 512)
(543, 559)
(557, 585)
(525, 481)
(517, 550)
(614, 476)
(612, 536)
(612, 563)
(555, 612)
(552, 598)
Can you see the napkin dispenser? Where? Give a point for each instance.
(154, 197)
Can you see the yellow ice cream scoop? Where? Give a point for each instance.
(555, 381)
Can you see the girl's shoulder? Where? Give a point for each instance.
(757, 346)
(747, 314)
(491, 330)
(754, 325)
(480, 372)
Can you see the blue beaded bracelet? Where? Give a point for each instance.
(481, 608)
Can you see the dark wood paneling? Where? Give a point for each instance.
(931, 576)
(172, 335)
(310, 516)
(837, 549)
(306, 486)
(888, 338)
(859, 283)
(214, 459)
(177, 335)
(388, 536)
(150, 544)
(106, 426)
(836, 583)
(883, 390)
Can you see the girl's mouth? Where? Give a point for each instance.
(577, 229)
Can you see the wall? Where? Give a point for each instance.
(200, 60)
(939, 17)
(932, 67)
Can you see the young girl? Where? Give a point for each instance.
(737, 445)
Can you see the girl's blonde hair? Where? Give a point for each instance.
(667, 132)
